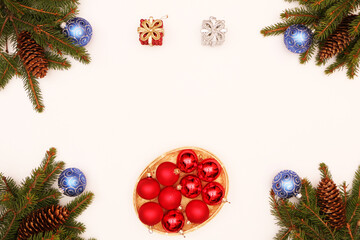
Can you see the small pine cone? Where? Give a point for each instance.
(32, 55)
(331, 203)
(337, 41)
(45, 219)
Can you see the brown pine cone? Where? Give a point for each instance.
(331, 203)
(42, 220)
(337, 41)
(32, 55)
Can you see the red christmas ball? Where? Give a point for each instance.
(213, 193)
(173, 221)
(169, 198)
(209, 170)
(190, 186)
(148, 188)
(187, 160)
(150, 213)
(166, 173)
(197, 211)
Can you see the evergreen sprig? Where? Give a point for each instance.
(304, 220)
(36, 192)
(323, 17)
(42, 18)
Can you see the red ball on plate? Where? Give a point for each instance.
(209, 170)
(197, 211)
(213, 193)
(187, 160)
(190, 186)
(169, 198)
(148, 188)
(150, 213)
(166, 173)
(173, 221)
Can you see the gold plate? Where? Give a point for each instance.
(172, 157)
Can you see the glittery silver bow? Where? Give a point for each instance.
(213, 32)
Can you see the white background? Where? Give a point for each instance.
(249, 102)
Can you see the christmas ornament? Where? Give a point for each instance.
(32, 55)
(78, 30)
(167, 173)
(150, 213)
(45, 219)
(151, 31)
(187, 161)
(72, 182)
(287, 184)
(197, 211)
(169, 198)
(213, 32)
(32, 210)
(190, 186)
(213, 193)
(173, 221)
(331, 203)
(337, 41)
(298, 38)
(148, 188)
(324, 212)
(178, 183)
(209, 170)
(328, 29)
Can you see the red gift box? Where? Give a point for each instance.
(151, 32)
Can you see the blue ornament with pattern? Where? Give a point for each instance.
(298, 38)
(78, 30)
(72, 182)
(287, 184)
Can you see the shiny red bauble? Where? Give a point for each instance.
(166, 173)
(187, 161)
(197, 211)
(209, 170)
(150, 213)
(190, 186)
(169, 198)
(213, 193)
(173, 221)
(148, 188)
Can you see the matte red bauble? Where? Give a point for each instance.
(190, 186)
(148, 188)
(197, 211)
(166, 174)
(209, 170)
(173, 221)
(169, 198)
(187, 160)
(213, 193)
(150, 213)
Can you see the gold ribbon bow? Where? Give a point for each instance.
(151, 29)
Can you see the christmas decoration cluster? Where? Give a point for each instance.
(327, 29)
(181, 190)
(32, 210)
(323, 212)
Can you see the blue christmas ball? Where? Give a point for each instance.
(78, 30)
(298, 38)
(72, 182)
(287, 184)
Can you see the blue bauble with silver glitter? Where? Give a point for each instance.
(287, 184)
(298, 38)
(78, 30)
(72, 182)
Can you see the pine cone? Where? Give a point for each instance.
(45, 219)
(337, 41)
(32, 55)
(330, 203)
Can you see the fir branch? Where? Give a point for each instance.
(348, 228)
(3, 26)
(275, 29)
(10, 225)
(38, 10)
(324, 170)
(33, 89)
(320, 219)
(306, 56)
